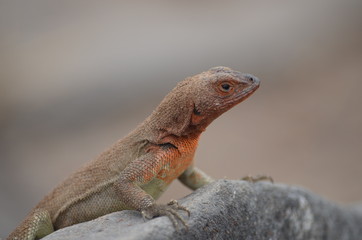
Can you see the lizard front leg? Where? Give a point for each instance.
(141, 171)
(37, 225)
(194, 178)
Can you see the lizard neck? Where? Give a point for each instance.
(171, 117)
(176, 116)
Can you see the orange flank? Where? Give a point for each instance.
(178, 160)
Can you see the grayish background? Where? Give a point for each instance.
(75, 76)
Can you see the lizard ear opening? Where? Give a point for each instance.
(196, 116)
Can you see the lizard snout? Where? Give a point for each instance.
(251, 79)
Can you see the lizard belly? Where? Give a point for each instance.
(91, 207)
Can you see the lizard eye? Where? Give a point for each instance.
(225, 87)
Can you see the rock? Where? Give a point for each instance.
(230, 209)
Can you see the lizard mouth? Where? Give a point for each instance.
(250, 90)
(242, 95)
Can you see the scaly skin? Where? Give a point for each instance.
(136, 170)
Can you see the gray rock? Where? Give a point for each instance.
(229, 209)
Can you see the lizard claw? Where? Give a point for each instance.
(176, 205)
(169, 210)
(258, 178)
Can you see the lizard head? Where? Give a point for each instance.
(196, 101)
(217, 90)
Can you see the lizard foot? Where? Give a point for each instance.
(258, 178)
(169, 210)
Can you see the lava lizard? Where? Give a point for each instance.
(137, 169)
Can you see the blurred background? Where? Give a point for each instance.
(75, 76)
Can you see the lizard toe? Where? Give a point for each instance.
(169, 210)
(173, 203)
(258, 178)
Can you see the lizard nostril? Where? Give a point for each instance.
(251, 79)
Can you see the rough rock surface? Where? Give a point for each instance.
(229, 209)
